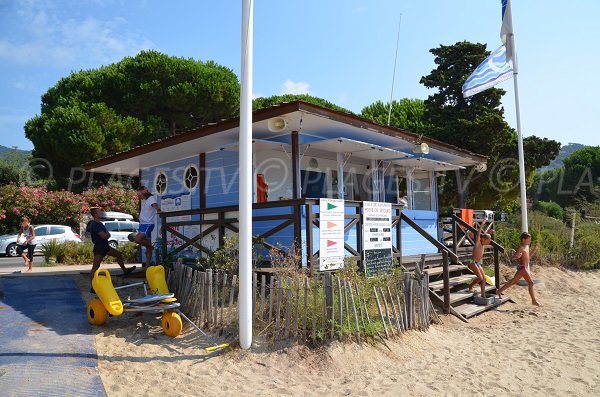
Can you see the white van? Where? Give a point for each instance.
(116, 216)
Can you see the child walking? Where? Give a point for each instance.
(100, 238)
(28, 233)
(524, 256)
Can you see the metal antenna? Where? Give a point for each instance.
(394, 74)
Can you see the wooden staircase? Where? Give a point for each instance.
(461, 300)
(449, 277)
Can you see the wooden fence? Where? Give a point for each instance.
(310, 308)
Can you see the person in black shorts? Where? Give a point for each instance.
(100, 238)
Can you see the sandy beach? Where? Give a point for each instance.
(517, 349)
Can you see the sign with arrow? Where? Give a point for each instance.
(331, 234)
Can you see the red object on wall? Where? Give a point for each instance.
(262, 189)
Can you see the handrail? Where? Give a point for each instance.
(446, 253)
(493, 243)
(429, 237)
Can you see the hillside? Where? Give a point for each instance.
(565, 151)
(5, 150)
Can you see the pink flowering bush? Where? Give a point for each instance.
(59, 207)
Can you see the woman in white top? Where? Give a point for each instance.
(148, 211)
(27, 232)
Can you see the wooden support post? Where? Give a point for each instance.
(446, 275)
(271, 281)
(216, 307)
(309, 237)
(223, 295)
(288, 307)
(305, 313)
(297, 312)
(231, 298)
(497, 267)
(341, 305)
(209, 306)
(455, 227)
(279, 299)
(261, 309)
(314, 309)
(254, 291)
(359, 240)
(324, 311)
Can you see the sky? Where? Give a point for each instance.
(339, 50)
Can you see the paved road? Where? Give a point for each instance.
(11, 266)
(18, 261)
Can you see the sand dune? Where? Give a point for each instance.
(553, 350)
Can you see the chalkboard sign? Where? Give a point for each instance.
(378, 261)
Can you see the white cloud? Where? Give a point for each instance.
(50, 38)
(292, 87)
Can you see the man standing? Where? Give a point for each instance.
(149, 209)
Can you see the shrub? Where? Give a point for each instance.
(551, 209)
(586, 250)
(52, 249)
(128, 251)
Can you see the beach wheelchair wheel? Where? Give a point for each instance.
(96, 312)
(172, 324)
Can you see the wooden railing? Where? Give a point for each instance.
(448, 257)
(220, 219)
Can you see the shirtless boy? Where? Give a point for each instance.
(481, 240)
(523, 267)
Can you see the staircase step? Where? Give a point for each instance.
(436, 271)
(469, 310)
(454, 281)
(465, 294)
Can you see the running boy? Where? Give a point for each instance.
(100, 238)
(481, 240)
(523, 267)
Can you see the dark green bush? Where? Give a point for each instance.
(551, 209)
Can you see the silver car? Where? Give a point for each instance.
(43, 233)
(119, 230)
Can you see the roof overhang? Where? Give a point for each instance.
(313, 123)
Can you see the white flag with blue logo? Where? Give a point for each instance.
(493, 70)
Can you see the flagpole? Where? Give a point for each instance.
(245, 178)
(512, 54)
(523, 186)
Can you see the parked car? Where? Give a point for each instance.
(116, 216)
(119, 230)
(43, 233)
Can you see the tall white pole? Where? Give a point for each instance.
(523, 186)
(245, 178)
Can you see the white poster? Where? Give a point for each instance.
(179, 202)
(377, 237)
(331, 234)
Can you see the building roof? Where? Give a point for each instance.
(314, 123)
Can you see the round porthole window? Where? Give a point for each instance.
(160, 183)
(190, 177)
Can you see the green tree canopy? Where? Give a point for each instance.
(407, 114)
(477, 124)
(265, 102)
(95, 113)
(577, 181)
